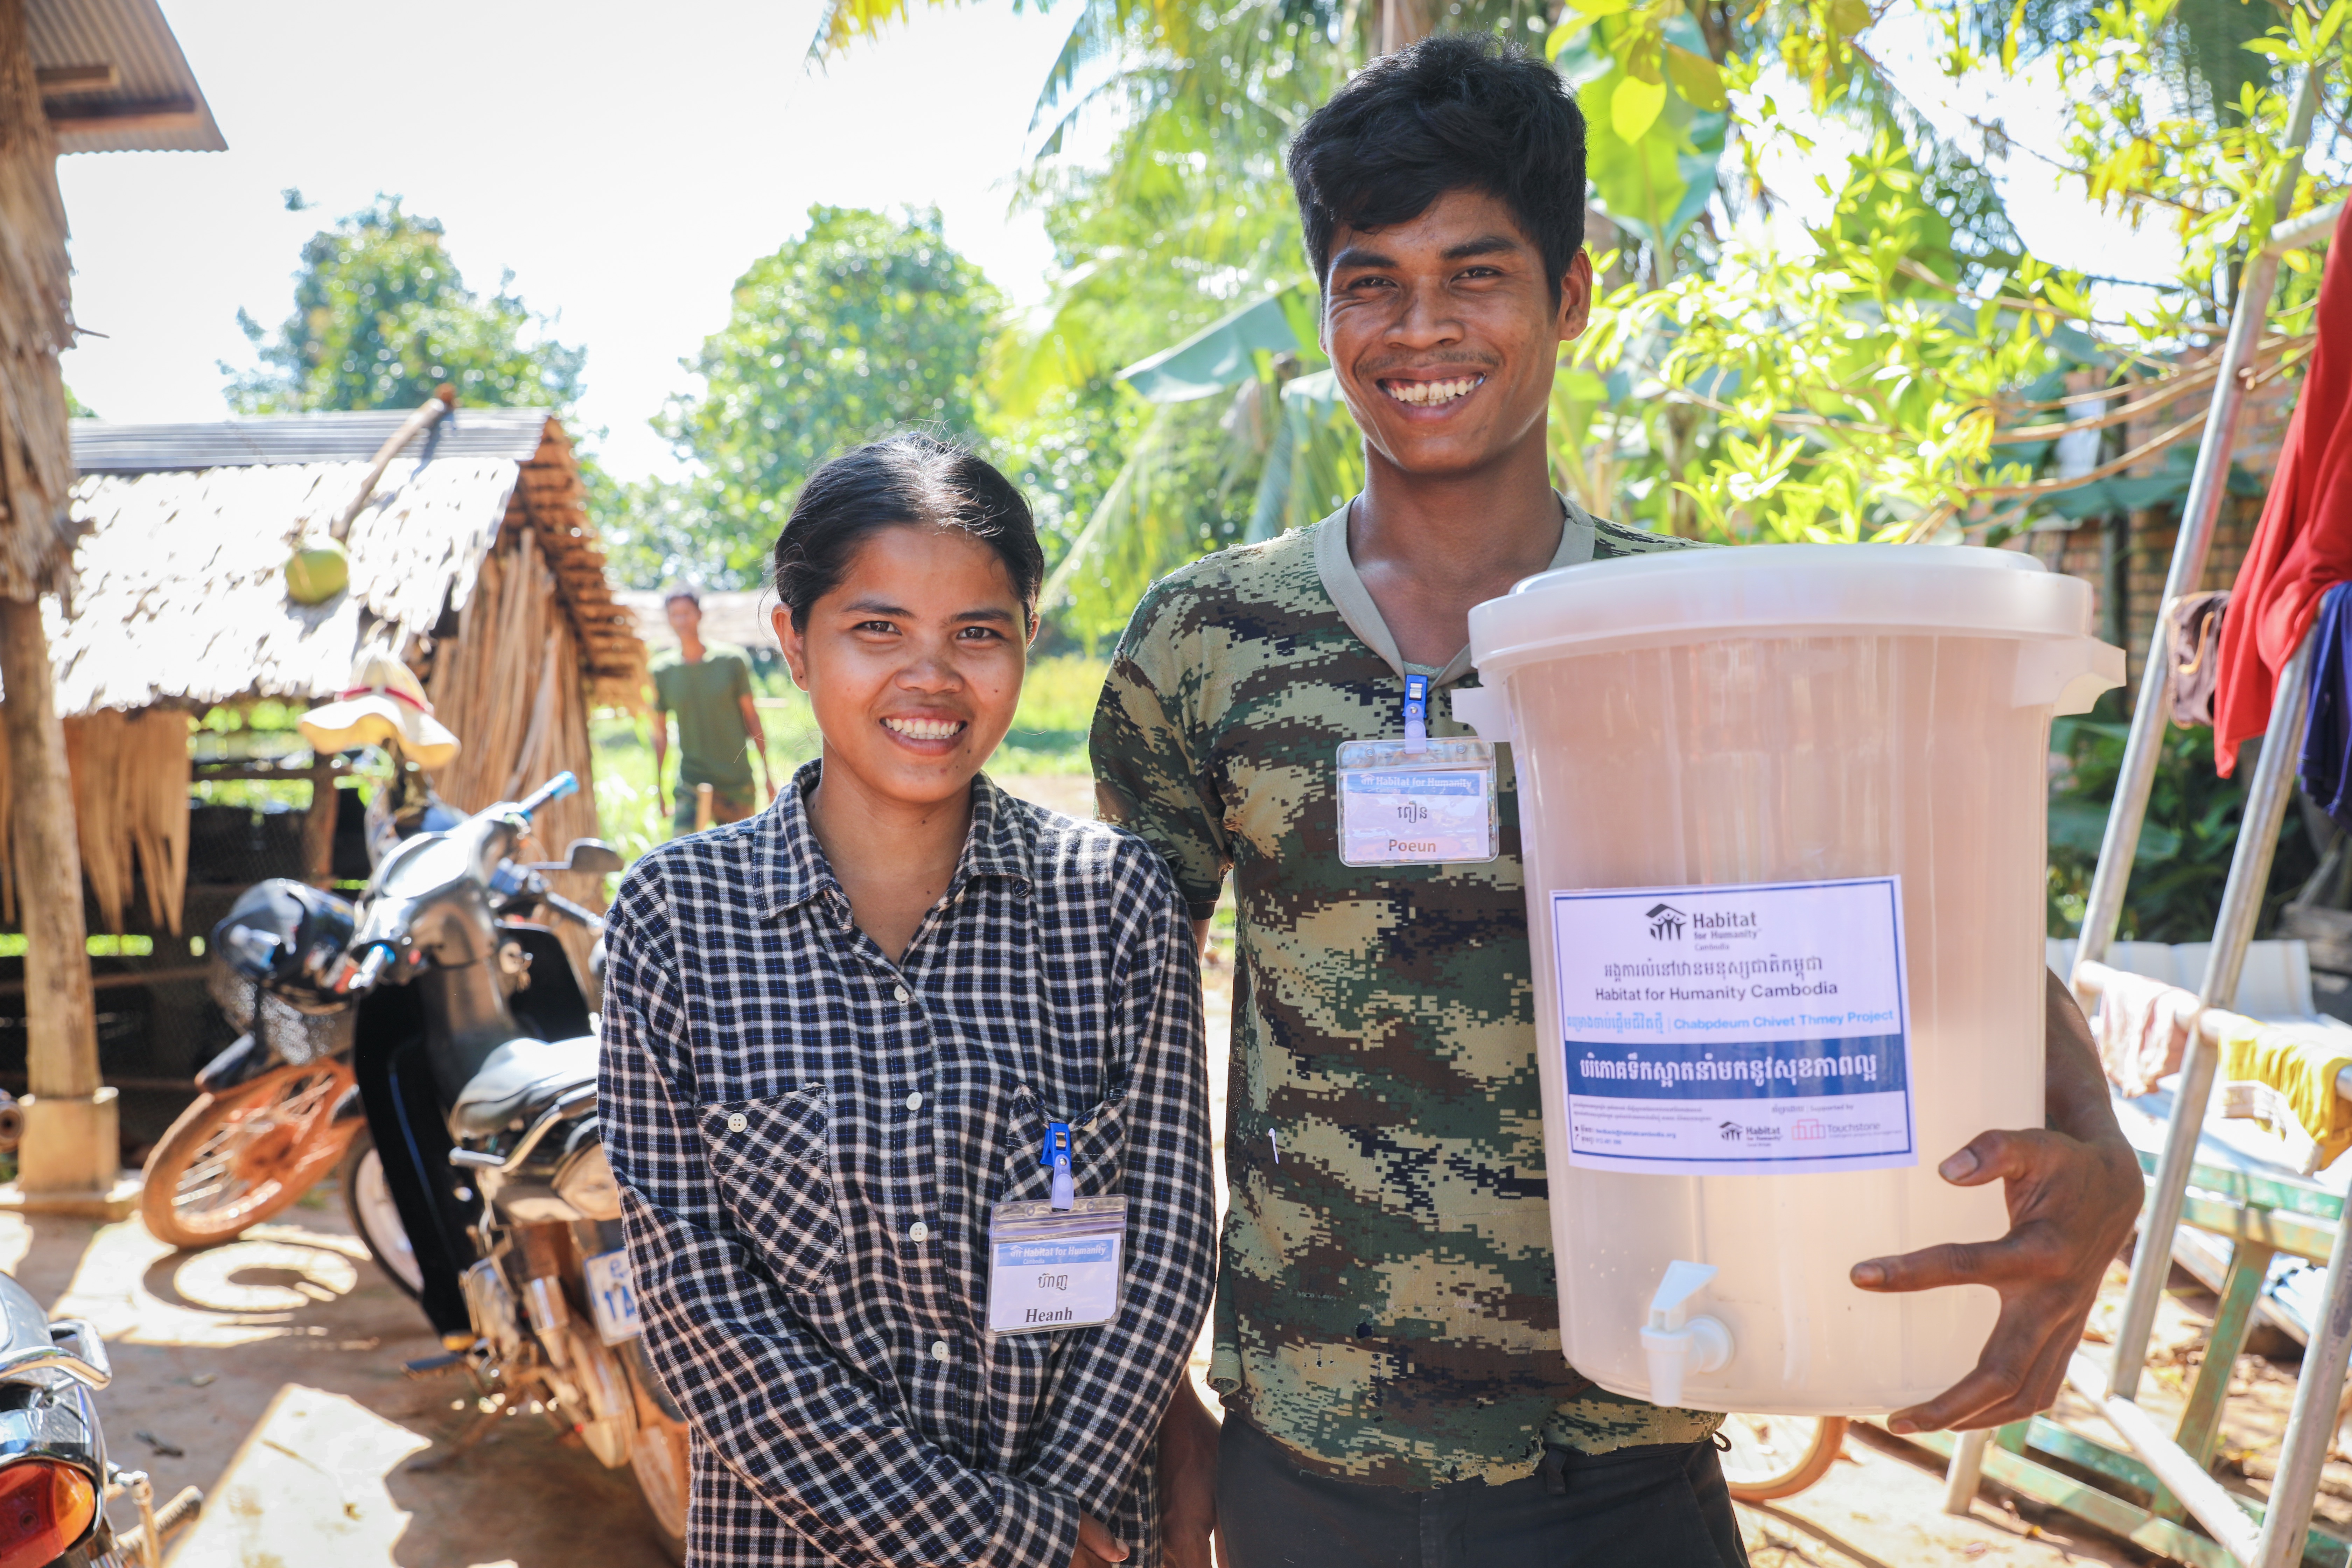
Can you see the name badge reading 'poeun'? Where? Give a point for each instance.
(1054, 1268)
(1402, 805)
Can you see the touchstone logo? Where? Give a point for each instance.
(1666, 922)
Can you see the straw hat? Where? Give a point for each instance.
(384, 705)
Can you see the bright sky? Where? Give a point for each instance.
(626, 162)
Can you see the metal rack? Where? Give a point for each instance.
(2170, 1469)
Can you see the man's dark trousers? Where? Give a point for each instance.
(1663, 1507)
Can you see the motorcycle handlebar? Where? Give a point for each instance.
(553, 790)
(565, 906)
(372, 967)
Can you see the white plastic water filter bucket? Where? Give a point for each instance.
(1783, 812)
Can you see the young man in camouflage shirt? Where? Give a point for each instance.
(1387, 1339)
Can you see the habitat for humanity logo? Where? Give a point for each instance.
(1666, 922)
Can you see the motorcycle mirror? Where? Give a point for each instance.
(594, 857)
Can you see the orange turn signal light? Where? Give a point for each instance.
(46, 1506)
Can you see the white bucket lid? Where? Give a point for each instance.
(1676, 596)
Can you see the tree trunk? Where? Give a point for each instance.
(319, 826)
(70, 1143)
(71, 1135)
(58, 1013)
(36, 530)
(1404, 22)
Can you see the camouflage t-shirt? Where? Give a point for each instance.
(1387, 1309)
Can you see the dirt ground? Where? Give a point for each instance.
(269, 1373)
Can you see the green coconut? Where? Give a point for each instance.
(319, 569)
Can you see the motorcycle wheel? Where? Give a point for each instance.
(1774, 1457)
(376, 1217)
(237, 1158)
(658, 1458)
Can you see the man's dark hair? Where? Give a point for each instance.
(676, 591)
(910, 478)
(1455, 112)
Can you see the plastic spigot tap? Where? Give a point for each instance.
(1677, 1345)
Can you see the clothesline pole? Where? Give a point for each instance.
(2241, 903)
(2198, 512)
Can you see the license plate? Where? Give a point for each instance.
(612, 1300)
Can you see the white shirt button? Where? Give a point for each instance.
(939, 1350)
(918, 1231)
(915, 1100)
(900, 994)
(736, 1123)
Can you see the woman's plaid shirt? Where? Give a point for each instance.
(809, 1138)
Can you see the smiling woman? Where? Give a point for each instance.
(906, 582)
(903, 1056)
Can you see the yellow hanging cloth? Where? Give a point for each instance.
(2298, 1066)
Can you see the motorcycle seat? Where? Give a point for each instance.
(519, 1080)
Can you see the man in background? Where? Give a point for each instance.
(709, 687)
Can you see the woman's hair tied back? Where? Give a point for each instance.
(909, 478)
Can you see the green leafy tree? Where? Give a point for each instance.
(866, 325)
(1065, 451)
(1891, 380)
(650, 530)
(382, 317)
(1896, 379)
(2185, 844)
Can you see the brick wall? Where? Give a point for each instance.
(2085, 549)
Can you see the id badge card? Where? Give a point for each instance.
(1417, 801)
(1050, 1268)
(1402, 807)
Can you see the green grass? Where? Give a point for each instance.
(1048, 736)
(1057, 709)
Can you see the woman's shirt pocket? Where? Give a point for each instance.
(1097, 1150)
(771, 1162)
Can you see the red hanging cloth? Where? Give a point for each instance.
(2303, 544)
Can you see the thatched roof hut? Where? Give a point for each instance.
(183, 593)
(473, 561)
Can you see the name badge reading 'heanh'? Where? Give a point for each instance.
(1053, 1269)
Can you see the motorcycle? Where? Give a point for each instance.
(274, 1113)
(54, 1478)
(484, 1188)
(279, 1109)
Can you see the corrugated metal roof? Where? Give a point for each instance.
(102, 448)
(155, 104)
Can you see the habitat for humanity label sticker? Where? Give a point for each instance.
(1741, 1030)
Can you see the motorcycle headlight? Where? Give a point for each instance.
(46, 1506)
(584, 1181)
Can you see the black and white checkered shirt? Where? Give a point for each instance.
(809, 1138)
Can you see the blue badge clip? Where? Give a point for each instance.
(1416, 710)
(1056, 1154)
